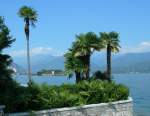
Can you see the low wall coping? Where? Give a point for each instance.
(72, 108)
(92, 105)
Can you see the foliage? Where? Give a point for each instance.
(83, 47)
(86, 43)
(38, 97)
(5, 60)
(78, 57)
(111, 39)
(73, 64)
(100, 75)
(28, 13)
(102, 91)
(29, 16)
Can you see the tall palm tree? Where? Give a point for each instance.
(84, 47)
(30, 17)
(111, 43)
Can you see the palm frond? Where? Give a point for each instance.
(111, 39)
(29, 13)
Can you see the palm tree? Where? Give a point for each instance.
(30, 17)
(84, 46)
(73, 65)
(111, 43)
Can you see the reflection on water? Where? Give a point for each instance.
(138, 84)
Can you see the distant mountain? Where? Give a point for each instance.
(40, 62)
(125, 63)
(129, 63)
(17, 68)
(132, 63)
(58, 63)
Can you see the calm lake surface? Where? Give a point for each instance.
(139, 85)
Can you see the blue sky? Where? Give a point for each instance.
(60, 20)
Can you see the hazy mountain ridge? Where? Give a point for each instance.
(125, 63)
(130, 63)
(46, 62)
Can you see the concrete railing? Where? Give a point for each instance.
(119, 108)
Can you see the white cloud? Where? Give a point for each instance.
(36, 51)
(145, 44)
(142, 47)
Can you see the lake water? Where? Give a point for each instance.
(139, 85)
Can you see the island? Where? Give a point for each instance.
(51, 72)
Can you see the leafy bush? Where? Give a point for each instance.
(38, 97)
(102, 91)
(100, 75)
(13, 96)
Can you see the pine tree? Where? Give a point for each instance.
(5, 60)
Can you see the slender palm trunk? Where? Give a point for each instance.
(27, 32)
(28, 61)
(108, 62)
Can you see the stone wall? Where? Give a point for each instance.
(119, 108)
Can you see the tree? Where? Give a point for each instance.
(5, 60)
(30, 17)
(111, 43)
(84, 46)
(73, 65)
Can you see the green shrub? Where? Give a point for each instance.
(14, 96)
(102, 91)
(39, 97)
(100, 75)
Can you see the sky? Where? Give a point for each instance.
(60, 20)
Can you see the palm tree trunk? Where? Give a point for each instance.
(78, 76)
(28, 61)
(27, 32)
(108, 62)
(88, 67)
(86, 60)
